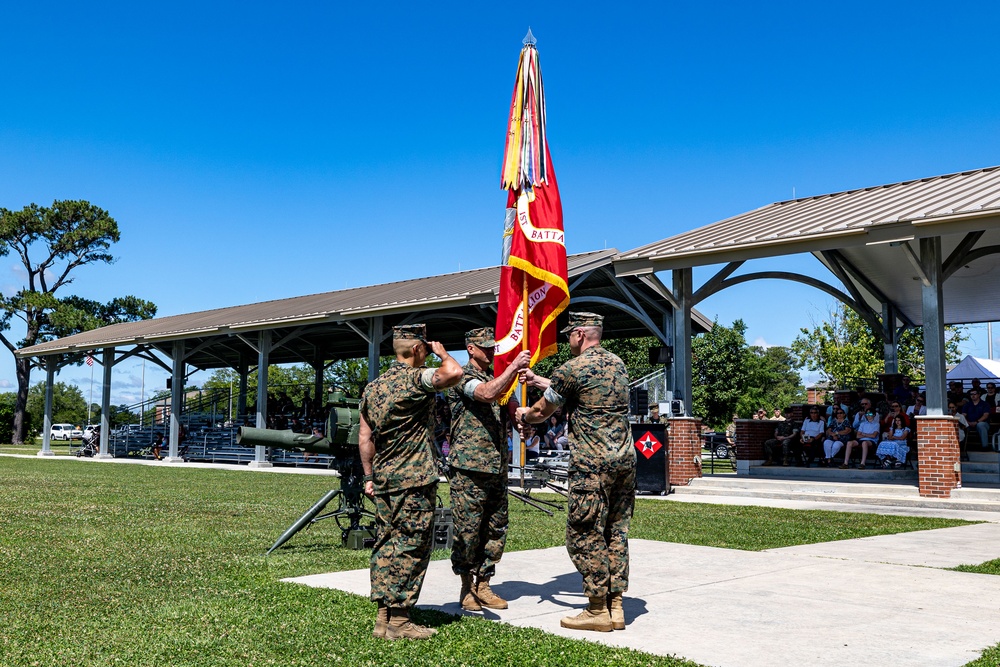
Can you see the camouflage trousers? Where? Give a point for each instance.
(598, 517)
(403, 545)
(479, 512)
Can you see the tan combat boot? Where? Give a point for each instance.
(401, 627)
(617, 613)
(486, 596)
(595, 617)
(466, 597)
(381, 621)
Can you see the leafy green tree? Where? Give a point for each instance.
(720, 372)
(68, 405)
(51, 242)
(119, 415)
(772, 381)
(845, 350)
(7, 402)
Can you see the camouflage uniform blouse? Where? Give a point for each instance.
(477, 438)
(399, 408)
(593, 388)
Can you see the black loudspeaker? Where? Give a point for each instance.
(638, 401)
(661, 355)
(170, 381)
(652, 467)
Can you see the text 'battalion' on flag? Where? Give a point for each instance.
(533, 276)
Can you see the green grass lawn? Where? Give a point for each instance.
(108, 564)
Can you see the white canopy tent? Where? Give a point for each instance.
(987, 370)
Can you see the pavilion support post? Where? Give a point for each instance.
(374, 343)
(318, 368)
(890, 346)
(241, 397)
(50, 376)
(176, 403)
(682, 338)
(939, 466)
(108, 363)
(263, 354)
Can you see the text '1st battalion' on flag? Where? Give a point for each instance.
(533, 282)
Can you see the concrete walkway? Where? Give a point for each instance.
(869, 601)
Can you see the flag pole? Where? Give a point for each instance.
(524, 346)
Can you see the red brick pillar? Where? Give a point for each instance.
(938, 465)
(684, 449)
(750, 437)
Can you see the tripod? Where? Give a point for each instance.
(543, 474)
(350, 508)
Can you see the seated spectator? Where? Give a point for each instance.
(555, 437)
(532, 443)
(811, 434)
(902, 391)
(963, 427)
(956, 393)
(867, 436)
(760, 414)
(917, 409)
(864, 407)
(784, 438)
(838, 434)
(895, 409)
(894, 448)
(977, 413)
(991, 395)
(776, 415)
(976, 386)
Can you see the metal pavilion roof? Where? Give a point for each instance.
(864, 230)
(330, 325)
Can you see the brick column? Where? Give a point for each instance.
(938, 465)
(750, 437)
(684, 449)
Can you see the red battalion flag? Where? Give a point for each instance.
(533, 277)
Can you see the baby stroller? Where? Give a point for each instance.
(91, 445)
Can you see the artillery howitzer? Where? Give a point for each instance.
(341, 442)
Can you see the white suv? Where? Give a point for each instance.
(61, 432)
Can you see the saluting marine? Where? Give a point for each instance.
(400, 473)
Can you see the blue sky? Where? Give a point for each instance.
(251, 151)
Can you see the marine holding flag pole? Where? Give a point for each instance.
(533, 277)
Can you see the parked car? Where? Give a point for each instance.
(717, 444)
(62, 432)
(77, 433)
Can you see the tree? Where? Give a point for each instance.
(66, 235)
(846, 351)
(7, 401)
(68, 405)
(729, 376)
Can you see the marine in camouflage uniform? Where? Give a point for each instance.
(785, 436)
(397, 455)
(593, 388)
(478, 463)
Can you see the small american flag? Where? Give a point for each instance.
(90, 360)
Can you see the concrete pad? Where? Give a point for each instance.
(753, 609)
(945, 547)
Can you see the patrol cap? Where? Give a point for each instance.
(583, 320)
(482, 337)
(410, 332)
